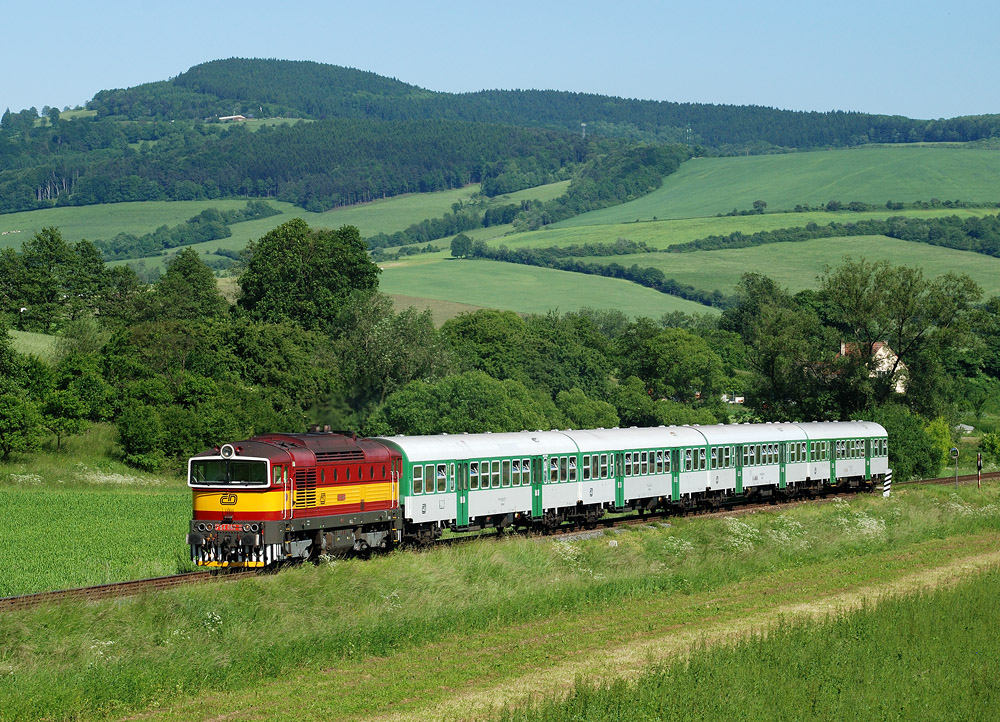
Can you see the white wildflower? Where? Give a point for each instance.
(742, 536)
(677, 546)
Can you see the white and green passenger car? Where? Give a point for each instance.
(542, 479)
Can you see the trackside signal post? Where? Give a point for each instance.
(954, 455)
(979, 470)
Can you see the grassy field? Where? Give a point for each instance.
(524, 289)
(708, 186)
(928, 656)
(404, 635)
(797, 266)
(107, 220)
(76, 518)
(666, 233)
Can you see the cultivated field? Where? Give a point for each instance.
(666, 233)
(525, 289)
(549, 613)
(797, 266)
(708, 186)
(77, 518)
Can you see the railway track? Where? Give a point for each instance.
(962, 479)
(138, 586)
(102, 591)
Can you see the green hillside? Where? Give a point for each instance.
(797, 266)
(709, 186)
(521, 288)
(666, 233)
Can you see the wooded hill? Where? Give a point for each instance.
(267, 88)
(374, 137)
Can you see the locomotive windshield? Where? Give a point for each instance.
(228, 471)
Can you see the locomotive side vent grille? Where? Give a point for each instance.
(305, 489)
(347, 455)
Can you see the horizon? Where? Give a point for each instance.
(920, 60)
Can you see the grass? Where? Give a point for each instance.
(77, 518)
(418, 623)
(932, 655)
(105, 221)
(525, 289)
(708, 186)
(665, 233)
(797, 266)
(41, 345)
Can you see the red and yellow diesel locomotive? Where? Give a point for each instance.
(281, 496)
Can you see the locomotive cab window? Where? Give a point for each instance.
(228, 471)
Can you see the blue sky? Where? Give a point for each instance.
(916, 58)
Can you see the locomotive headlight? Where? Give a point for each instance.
(227, 451)
(246, 527)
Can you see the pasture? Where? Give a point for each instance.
(709, 186)
(102, 222)
(41, 345)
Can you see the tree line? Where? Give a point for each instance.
(978, 234)
(176, 368)
(209, 225)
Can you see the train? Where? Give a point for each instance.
(285, 497)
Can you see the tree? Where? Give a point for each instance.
(912, 454)
(47, 263)
(20, 425)
(295, 273)
(876, 301)
(461, 246)
(380, 351)
(63, 414)
(140, 433)
(187, 291)
(759, 206)
(472, 402)
(582, 412)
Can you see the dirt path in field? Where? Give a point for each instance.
(632, 659)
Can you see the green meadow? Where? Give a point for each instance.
(709, 186)
(666, 233)
(77, 517)
(797, 266)
(524, 289)
(381, 216)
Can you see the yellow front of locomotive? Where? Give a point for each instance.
(240, 497)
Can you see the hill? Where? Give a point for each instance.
(315, 90)
(710, 186)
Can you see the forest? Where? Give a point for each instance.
(178, 369)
